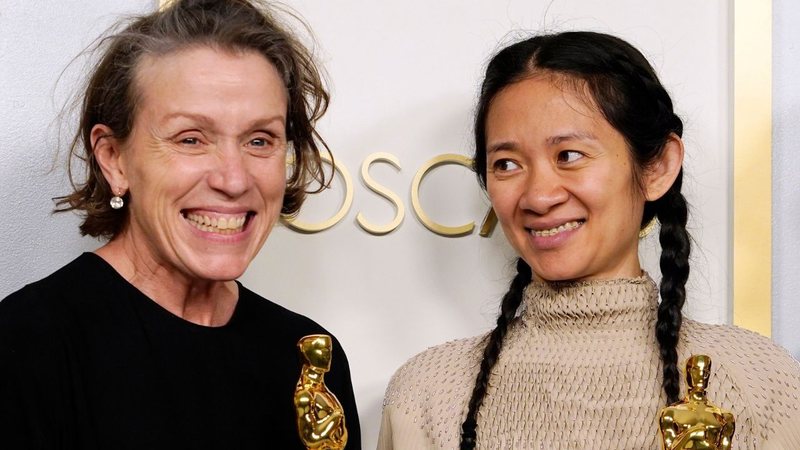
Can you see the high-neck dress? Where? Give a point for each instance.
(580, 369)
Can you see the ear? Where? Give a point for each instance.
(106, 149)
(660, 176)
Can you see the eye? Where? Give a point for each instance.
(190, 141)
(263, 141)
(568, 156)
(259, 142)
(504, 165)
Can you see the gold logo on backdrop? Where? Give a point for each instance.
(306, 227)
(487, 226)
(444, 230)
(384, 192)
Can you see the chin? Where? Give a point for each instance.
(550, 271)
(222, 275)
(224, 270)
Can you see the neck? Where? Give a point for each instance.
(203, 302)
(600, 305)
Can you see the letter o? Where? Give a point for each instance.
(310, 228)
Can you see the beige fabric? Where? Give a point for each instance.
(580, 369)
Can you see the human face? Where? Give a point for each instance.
(560, 179)
(205, 161)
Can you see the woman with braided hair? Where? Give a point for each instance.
(579, 149)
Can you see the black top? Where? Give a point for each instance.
(87, 361)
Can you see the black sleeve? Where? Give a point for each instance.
(342, 386)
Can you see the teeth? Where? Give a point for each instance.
(219, 225)
(554, 231)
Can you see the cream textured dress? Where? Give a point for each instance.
(580, 369)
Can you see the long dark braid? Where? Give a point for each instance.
(491, 353)
(627, 91)
(675, 248)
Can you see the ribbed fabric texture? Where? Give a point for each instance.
(580, 369)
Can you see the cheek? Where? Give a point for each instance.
(504, 198)
(497, 197)
(169, 181)
(620, 204)
(271, 180)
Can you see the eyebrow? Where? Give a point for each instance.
(205, 120)
(574, 136)
(550, 141)
(504, 145)
(209, 122)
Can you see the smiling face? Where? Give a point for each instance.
(205, 162)
(560, 179)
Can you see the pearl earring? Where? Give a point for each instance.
(116, 201)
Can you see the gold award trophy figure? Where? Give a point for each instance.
(694, 423)
(320, 416)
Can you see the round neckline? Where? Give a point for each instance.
(595, 304)
(159, 310)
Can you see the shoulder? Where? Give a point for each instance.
(427, 396)
(744, 348)
(80, 275)
(268, 321)
(281, 329)
(36, 322)
(751, 375)
(261, 311)
(453, 363)
(47, 302)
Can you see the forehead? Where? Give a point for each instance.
(202, 72)
(544, 103)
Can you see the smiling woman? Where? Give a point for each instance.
(150, 342)
(579, 149)
(207, 150)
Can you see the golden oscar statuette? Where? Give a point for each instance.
(694, 423)
(320, 416)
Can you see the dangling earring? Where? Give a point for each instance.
(648, 228)
(116, 201)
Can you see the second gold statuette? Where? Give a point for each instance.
(694, 423)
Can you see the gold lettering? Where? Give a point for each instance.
(305, 227)
(444, 230)
(383, 192)
(489, 222)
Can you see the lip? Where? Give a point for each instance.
(554, 241)
(539, 225)
(218, 210)
(216, 213)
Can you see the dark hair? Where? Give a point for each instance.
(111, 95)
(625, 89)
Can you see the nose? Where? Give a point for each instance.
(544, 189)
(230, 175)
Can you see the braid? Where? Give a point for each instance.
(675, 246)
(491, 353)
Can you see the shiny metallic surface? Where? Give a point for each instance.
(320, 416)
(694, 423)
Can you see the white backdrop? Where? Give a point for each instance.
(404, 77)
